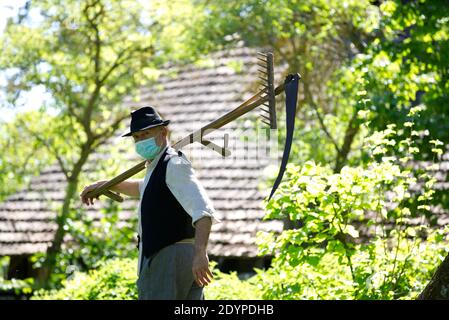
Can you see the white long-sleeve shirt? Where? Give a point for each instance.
(182, 182)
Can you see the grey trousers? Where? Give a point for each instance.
(167, 275)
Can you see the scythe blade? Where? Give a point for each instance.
(291, 96)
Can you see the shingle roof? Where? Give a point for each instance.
(194, 97)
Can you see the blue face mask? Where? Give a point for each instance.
(147, 149)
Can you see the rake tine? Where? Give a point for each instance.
(267, 111)
(265, 122)
(262, 54)
(263, 79)
(263, 60)
(263, 71)
(271, 93)
(265, 117)
(262, 65)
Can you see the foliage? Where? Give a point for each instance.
(375, 275)
(305, 34)
(13, 286)
(94, 242)
(230, 287)
(113, 280)
(22, 156)
(116, 279)
(362, 233)
(17, 287)
(96, 235)
(410, 66)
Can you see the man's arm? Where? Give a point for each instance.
(128, 187)
(189, 192)
(200, 267)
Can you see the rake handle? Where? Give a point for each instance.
(245, 107)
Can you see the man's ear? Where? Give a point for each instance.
(166, 132)
(162, 134)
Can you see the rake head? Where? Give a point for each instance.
(266, 76)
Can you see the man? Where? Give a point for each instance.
(175, 215)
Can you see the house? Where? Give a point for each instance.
(196, 95)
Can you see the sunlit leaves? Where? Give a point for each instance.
(361, 220)
(22, 155)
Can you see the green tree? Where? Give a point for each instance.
(22, 156)
(314, 38)
(393, 51)
(88, 56)
(410, 66)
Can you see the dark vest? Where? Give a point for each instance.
(164, 221)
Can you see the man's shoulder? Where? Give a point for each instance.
(177, 158)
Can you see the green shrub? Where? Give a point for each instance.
(113, 280)
(229, 287)
(95, 241)
(363, 233)
(116, 280)
(16, 287)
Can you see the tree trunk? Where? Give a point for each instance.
(351, 132)
(52, 251)
(438, 287)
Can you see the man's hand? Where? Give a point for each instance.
(88, 200)
(200, 268)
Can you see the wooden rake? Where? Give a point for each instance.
(265, 98)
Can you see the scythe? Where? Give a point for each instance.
(265, 98)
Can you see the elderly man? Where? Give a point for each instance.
(175, 215)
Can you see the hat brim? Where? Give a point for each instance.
(163, 123)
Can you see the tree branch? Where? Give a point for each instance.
(97, 67)
(108, 131)
(119, 61)
(50, 148)
(309, 99)
(351, 131)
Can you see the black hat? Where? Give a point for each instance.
(145, 118)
